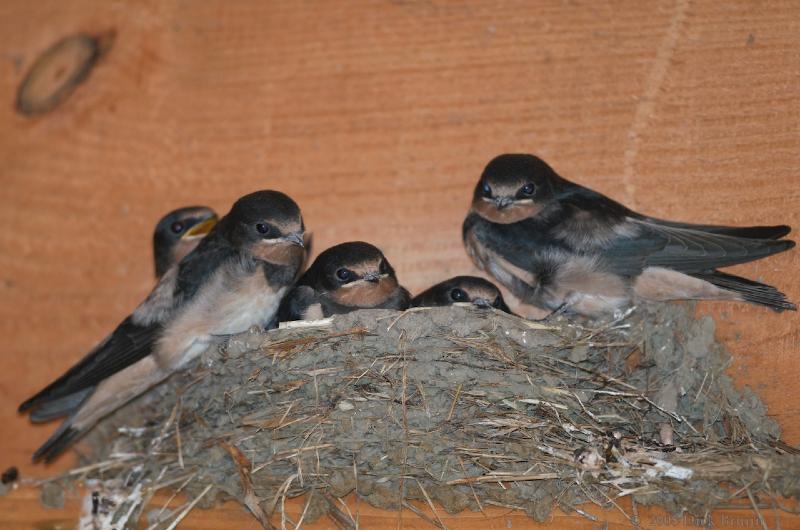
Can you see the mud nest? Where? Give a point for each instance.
(456, 407)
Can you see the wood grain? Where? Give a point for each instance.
(378, 117)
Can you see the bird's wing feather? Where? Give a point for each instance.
(605, 210)
(59, 407)
(126, 345)
(752, 232)
(132, 340)
(399, 300)
(683, 249)
(294, 305)
(195, 269)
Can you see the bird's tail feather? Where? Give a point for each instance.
(64, 436)
(749, 290)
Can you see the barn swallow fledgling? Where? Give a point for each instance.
(234, 279)
(175, 235)
(470, 289)
(178, 233)
(345, 278)
(557, 245)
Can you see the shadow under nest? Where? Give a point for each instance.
(456, 407)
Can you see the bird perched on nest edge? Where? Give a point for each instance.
(234, 279)
(562, 247)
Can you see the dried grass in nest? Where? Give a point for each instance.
(456, 407)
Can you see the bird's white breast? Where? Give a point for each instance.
(240, 311)
(231, 302)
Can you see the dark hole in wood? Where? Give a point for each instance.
(59, 70)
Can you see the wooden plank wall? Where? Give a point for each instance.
(378, 117)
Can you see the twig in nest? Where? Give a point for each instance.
(349, 513)
(281, 492)
(453, 405)
(433, 508)
(289, 454)
(595, 373)
(635, 510)
(492, 350)
(178, 443)
(471, 487)
(174, 494)
(783, 446)
(117, 460)
(503, 477)
(188, 508)
(585, 514)
(761, 520)
(283, 348)
(404, 313)
(305, 509)
(633, 522)
(532, 324)
(156, 443)
(511, 507)
(673, 415)
(338, 516)
(277, 424)
(419, 513)
(250, 499)
(606, 327)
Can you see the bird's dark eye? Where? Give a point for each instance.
(262, 228)
(457, 295)
(527, 189)
(176, 227)
(487, 190)
(344, 274)
(383, 268)
(496, 302)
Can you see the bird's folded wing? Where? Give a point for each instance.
(752, 232)
(59, 407)
(683, 249)
(298, 301)
(126, 345)
(131, 341)
(198, 266)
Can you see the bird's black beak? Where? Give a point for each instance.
(483, 303)
(372, 277)
(503, 202)
(296, 239)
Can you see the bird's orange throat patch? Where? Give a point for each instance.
(362, 293)
(513, 213)
(278, 252)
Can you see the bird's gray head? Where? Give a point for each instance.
(466, 289)
(514, 187)
(178, 233)
(268, 225)
(354, 274)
